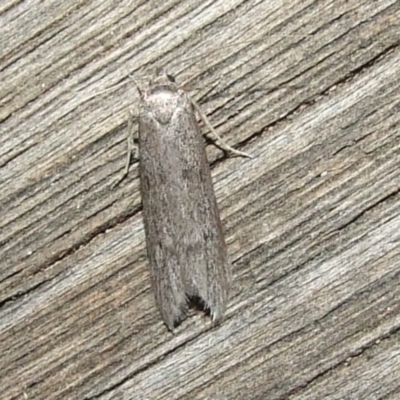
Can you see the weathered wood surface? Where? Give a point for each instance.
(312, 90)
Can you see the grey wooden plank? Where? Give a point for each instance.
(368, 374)
(311, 90)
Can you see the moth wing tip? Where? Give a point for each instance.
(174, 315)
(217, 314)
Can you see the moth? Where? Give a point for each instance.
(184, 235)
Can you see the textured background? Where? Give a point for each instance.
(312, 90)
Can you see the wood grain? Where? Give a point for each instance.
(311, 89)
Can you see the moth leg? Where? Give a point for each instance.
(130, 139)
(131, 145)
(204, 118)
(223, 144)
(132, 148)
